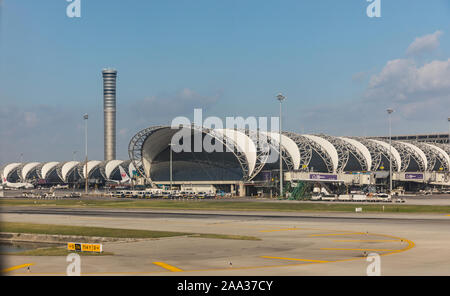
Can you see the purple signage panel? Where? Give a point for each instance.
(414, 176)
(322, 177)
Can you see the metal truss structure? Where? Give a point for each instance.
(252, 149)
(434, 155)
(342, 149)
(376, 152)
(406, 154)
(135, 148)
(306, 146)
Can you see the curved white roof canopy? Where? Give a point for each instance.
(161, 138)
(361, 148)
(47, 168)
(418, 151)
(288, 145)
(9, 168)
(441, 151)
(155, 144)
(90, 166)
(328, 147)
(27, 168)
(67, 167)
(244, 144)
(394, 152)
(111, 166)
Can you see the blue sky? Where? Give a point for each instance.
(338, 68)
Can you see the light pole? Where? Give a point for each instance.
(280, 98)
(389, 111)
(73, 185)
(448, 132)
(170, 162)
(85, 117)
(448, 119)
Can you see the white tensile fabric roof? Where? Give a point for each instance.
(328, 147)
(27, 168)
(361, 148)
(67, 167)
(289, 145)
(90, 166)
(9, 168)
(394, 152)
(441, 151)
(244, 143)
(111, 166)
(418, 151)
(48, 167)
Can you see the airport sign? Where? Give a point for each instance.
(82, 247)
(413, 176)
(322, 177)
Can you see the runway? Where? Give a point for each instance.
(291, 243)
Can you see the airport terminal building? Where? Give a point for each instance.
(246, 162)
(69, 172)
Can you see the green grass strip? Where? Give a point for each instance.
(229, 205)
(106, 232)
(84, 231)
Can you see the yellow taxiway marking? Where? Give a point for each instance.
(366, 240)
(410, 245)
(281, 229)
(167, 266)
(371, 250)
(16, 267)
(332, 234)
(295, 259)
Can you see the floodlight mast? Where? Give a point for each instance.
(86, 117)
(390, 111)
(280, 98)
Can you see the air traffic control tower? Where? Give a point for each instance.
(109, 110)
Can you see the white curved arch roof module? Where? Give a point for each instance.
(328, 147)
(111, 166)
(47, 168)
(394, 152)
(155, 144)
(289, 145)
(9, 168)
(27, 168)
(90, 166)
(441, 151)
(418, 151)
(361, 148)
(67, 167)
(244, 144)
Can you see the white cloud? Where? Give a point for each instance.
(424, 44)
(419, 93)
(403, 80)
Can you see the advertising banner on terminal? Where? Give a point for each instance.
(414, 176)
(322, 177)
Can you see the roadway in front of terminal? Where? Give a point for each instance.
(291, 243)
